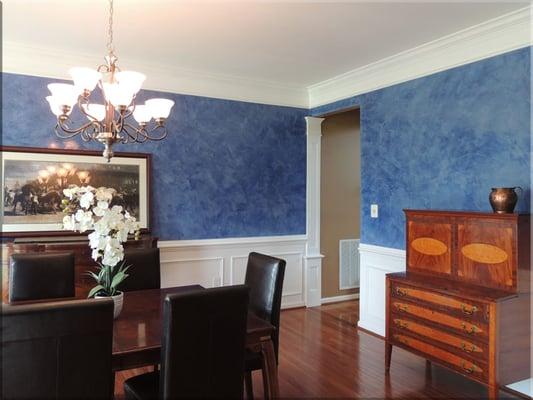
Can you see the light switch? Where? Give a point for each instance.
(373, 210)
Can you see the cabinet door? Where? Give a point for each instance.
(429, 246)
(486, 253)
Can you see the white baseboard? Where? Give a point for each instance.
(376, 262)
(220, 262)
(338, 299)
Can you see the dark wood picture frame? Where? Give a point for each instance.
(77, 152)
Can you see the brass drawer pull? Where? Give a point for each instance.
(467, 310)
(401, 324)
(468, 349)
(401, 292)
(470, 370)
(402, 307)
(471, 331)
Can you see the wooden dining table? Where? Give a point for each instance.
(137, 334)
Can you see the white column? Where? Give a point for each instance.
(313, 258)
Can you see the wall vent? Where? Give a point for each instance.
(348, 264)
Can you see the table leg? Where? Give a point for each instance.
(388, 354)
(270, 370)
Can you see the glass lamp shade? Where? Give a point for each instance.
(64, 94)
(159, 108)
(84, 78)
(97, 111)
(117, 95)
(55, 107)
(130, 81)
(142, 114)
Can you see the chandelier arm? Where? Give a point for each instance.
(90, 134)
(131, 109)
(60, 133)
(139, 133)
(91, 117)
(103, 68)
(154, 129)
(72, 131)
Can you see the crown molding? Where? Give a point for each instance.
(20, 58)
(496, 36)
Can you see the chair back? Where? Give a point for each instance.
(36, 276)
(144, 272)
(203, 343)
(264, 277)
(59, 350)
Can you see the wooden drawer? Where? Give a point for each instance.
(472, 369)
(465, 309)
(472, 329)
(466, 347)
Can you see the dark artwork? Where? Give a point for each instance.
(33, 190)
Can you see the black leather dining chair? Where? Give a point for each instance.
(57, 350)
(202, 347)
(264, 277)
(36, 276)
(144, 269)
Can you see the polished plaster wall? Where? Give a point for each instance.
(235, 169)
(442, 142)
(227, 168)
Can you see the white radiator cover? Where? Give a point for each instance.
(348, 264)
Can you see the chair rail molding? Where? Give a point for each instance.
(376, 262)
(222, 262)
(313, 258)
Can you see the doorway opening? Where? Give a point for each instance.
(340, 200)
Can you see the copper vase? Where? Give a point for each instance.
(503, 200)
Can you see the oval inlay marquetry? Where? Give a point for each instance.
(484, 253)
(429, 246)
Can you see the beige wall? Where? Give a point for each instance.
(340, 193)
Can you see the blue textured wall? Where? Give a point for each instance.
(227, 168)
(234, 169)
(442, 142)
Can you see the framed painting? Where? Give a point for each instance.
(33, 180)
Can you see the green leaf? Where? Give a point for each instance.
(93, 275)
(95, 290)
(117, 279)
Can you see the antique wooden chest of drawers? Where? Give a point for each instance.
(464, 301)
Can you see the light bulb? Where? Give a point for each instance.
(130, 81)
(159, 108)
(84, 78)
(64, 94)
(142, 114)
(96, 111)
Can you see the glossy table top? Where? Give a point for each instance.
(138, 327)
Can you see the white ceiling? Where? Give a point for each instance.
(297, 43)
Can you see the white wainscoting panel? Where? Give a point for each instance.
(376, 262)
(218, 262)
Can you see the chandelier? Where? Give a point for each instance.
(110, 122)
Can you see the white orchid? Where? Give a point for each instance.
(111, 225)
(86, 200)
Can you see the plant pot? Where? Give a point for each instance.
(118, 301)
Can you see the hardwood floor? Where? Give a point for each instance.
(323, 355)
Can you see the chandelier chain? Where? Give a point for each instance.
(110, 46)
